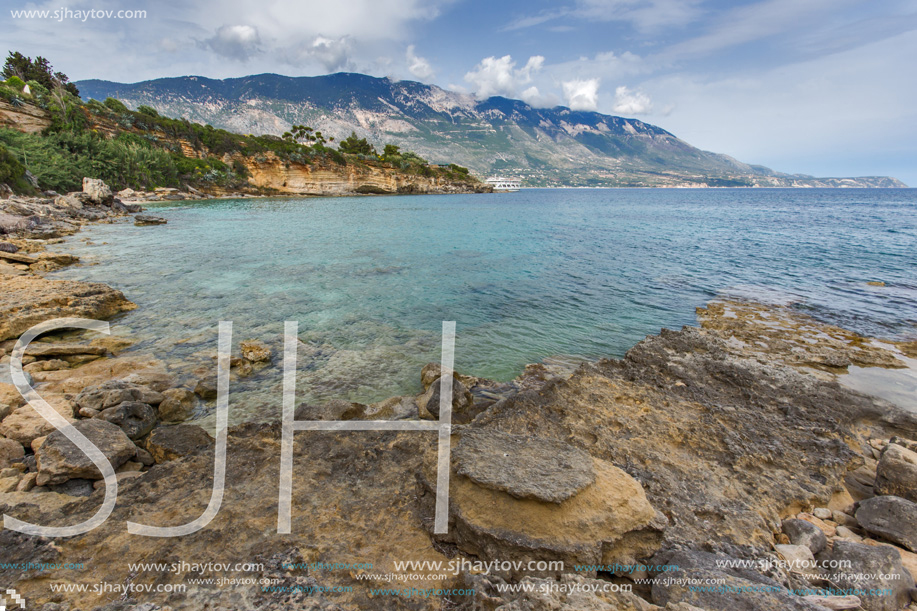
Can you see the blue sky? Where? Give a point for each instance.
(823, 87)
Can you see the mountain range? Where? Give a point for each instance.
(541, 146)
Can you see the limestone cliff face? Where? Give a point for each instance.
(26, 118)
(292, 178)
(268, 173)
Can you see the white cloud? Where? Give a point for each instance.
(631, 103)
(333, 54)
(499, 76)
(582, 94)
(239, 42)
(418, 66)
(533, 97)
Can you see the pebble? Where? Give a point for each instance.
(822, 513)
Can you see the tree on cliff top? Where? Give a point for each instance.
(39, 70)
(356, 146)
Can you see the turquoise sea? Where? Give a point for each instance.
(564, 274)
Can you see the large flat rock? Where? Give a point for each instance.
(523, 466)
(26, 301)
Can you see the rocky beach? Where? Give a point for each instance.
(727, 465)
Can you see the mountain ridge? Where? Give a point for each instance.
(542, 146)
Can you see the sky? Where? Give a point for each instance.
(821, 87)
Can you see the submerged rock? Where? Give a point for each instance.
(178, 404)
(143, 220)
(255, 351)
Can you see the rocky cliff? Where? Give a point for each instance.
(24, 118)
(269, 173)
(275, 175)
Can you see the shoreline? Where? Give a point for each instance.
(699, 446)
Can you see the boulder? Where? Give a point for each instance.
(136, 419)
(255, 351)
(60, 460)
(801, 532)
(27, 482)
(431, 372)
(8, 484)
(171, 442)
(462, 402)
(871, 568)
(607, 521)
(523, 466)
(28, 300)
(25, 424)
(143, 220)
(114, 392)
(896, 473)
(97, 191)
(890, 517)
(10, 399)
(177, 405)
(206, 388)
(799, 558)
(740, 589)
(11, 451)
(11, 223)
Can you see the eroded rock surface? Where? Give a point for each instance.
(26, 301)
(523, 466)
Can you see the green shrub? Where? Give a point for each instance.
(15, 81)
(60, 160)
(115, 105)
(147, 110)
(12, 173)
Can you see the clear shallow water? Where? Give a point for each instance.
(528, 275)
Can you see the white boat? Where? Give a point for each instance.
(504, 184)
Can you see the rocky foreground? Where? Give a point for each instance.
(727, 453)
